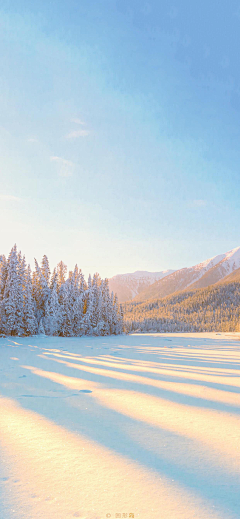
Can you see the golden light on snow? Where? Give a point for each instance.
(62, 475)
(218, 376)
(69, 382)
(172, 410)
(197, 373)
(218, 431)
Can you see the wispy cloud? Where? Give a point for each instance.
(198, 203)
(32, 139)
(77, 133)
(10, 198)
(77, 121)
(65, 166)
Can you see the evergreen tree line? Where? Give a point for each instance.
(211, 309)
(41, 302)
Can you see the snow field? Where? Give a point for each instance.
(142, 424)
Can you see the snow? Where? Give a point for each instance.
(230, 259)
(135, 282)
(140, 275)
(225, 263)
(96, 427)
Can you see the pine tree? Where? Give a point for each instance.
(41, 330)
(12, 304)
(115, 320)
(52, 312)
(106, 307)
(53, 279)
(3, 278)
(3, 275)
(45, 269)
(66, 311)
(89, 308)
(41, 303)
(61, 274)
(41, 290)
(30, 322)
(22, 281)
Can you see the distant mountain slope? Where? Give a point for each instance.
(214, 308)
(225, 267)
(234, 277)
(127, 286)
(202, 275)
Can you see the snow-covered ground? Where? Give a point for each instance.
(143, 426)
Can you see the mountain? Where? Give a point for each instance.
(127, 286)
(201, 275)
(234, 277)
(213, 308)
(227, 266)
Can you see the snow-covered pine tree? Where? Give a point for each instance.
(91, 316)
(76, 302)
(3, 278)
(22, 282)
(12, 304)
(53, 279)
(61, 274)
(30, 322)
(79, 306)
(97, 302)
(88, 311)
(106, 307)
(120, 320)
(52, 312)
(41, 290)
(3, 275)
(111, 313)
(41, 303)
(41, 330)
(45, 269)
(101, 325)
(66, 310)
(117, 316)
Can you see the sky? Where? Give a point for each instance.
(119, 132)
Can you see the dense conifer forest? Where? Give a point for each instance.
(64, 304)
(41, 302)
(215, 308)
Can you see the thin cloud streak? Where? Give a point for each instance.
(65, 166)
(77, 121)
(77, 133)
(32, 139)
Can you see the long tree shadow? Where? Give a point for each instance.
(207, 479)
(150, 388)
(183, 459)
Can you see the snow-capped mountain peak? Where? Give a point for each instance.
(201, 275)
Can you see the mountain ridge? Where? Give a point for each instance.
(127, 286)
(201, 275)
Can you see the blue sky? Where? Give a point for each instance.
(119, 132)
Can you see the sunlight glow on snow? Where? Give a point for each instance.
(90, 427)
(73, 476)
(162, 412)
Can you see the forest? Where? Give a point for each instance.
(41, 302)
(215, 308)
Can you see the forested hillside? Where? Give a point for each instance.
(201, 275)
(52, 303)
(215, 308)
